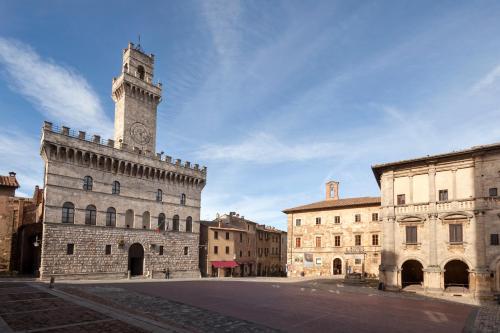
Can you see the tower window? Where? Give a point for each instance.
(111, 217)
(70, 248)
(115, 189)
(183, 199)
(87, 183)
(159, 195)
(140, 72)
(68, 213)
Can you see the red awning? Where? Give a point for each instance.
(224, 264)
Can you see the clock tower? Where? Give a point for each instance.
(136, 98)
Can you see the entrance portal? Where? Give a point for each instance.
(337, 267)
(456, 274)
(412, 273)
(136, 259)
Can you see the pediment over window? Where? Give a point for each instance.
(411, 219)
(456, 216)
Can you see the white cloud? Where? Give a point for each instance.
(263, 148)
(19, 152)
(58, 92)
(486, 81)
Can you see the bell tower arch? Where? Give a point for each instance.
(136, 99)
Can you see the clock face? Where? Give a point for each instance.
(140, 133)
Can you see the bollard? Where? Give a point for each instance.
(51, 284)
(128, 275)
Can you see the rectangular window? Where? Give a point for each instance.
(297, 242)
(337, 219)
(337, 240)
(374, 217)
(160, 252)
(318, 220)
(186, 250)
(401, 199)
(357, 218)
(318, 241)
(260, 252)
(443, 195)
(249, 253)
(375, 240)
(107, 250)
(357, 261)
(227, 249)
(216, 249)
(241, 238)
(216, 235)
(456, 233)
(493, 192)
(227, 235)
(494, 239)
(70, 248)
(319, 261)
(411, 235)
(357, 240)
(298, 222)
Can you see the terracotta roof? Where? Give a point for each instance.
(332, 204)
(10, 181)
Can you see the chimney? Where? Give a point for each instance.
(332, 190)
(12, 174)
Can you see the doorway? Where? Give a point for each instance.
(337, 267)
(136, 259)
(456, 273)
(412, 273)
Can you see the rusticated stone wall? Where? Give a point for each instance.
(90, 261)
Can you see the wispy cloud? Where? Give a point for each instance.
(265, 148)
(486, 81)
(57, 91)
(19, 152)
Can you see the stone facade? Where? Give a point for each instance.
(19, 228)
(440, 217)
(120, 191)
(234, 246)
(335, 236)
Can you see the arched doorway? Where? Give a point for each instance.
(412, 273)
(456, 273)
(337, 266)
(135, 259)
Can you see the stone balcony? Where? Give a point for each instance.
(449, 206)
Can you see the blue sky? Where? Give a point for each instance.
(275, 98)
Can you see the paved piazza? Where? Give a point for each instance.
(258, 305)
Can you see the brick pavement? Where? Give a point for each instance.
(176, 314)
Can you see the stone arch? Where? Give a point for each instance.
(134, 170)
(102, 162)
(93, 161)
(79, 157)
(411, 257)
(140, 171)
(71, 155)
(109, 163)
(450, 258)
(456, 273)
(412, 272)
(128, 169)
(122, 167)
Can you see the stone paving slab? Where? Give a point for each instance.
(31, 305)
(108, 326)
(487, 320)
(177, 314)
(47, 318)
(24, 296)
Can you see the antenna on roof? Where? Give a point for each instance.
(139, 48)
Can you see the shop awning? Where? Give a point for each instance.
(224, 264)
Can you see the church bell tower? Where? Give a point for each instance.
(136, 99)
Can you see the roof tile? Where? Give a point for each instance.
(332, 204)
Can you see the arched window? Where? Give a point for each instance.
(90, 214)
(111, 217)
(87, 183)
(129, 218)
(159, 195)
(140, 71)
(161, 222)
(145, 220)
(189, 224)
(115, 189)
(175, 223)
(183, 199)
(68, 213)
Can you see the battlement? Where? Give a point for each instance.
(97, 140)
